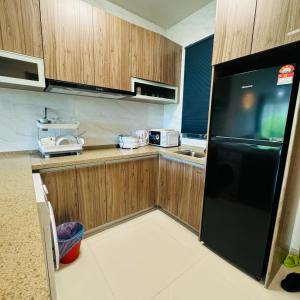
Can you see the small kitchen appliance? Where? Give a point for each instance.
(128, 142)
(164, 137)
(143, 137)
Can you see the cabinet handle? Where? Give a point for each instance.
(198, 165)
(45, 189)
(90, 165)
(121, 160)
(293, 32)
(57, 169)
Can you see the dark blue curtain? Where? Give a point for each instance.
(196, 90)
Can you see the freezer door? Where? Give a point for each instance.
(238, 203)
(251, 105)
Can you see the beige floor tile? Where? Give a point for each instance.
(217, 279)
(82, 279)
(154, 257)
(140, 262)
(203, 282)
(175, 229)
(126, 225)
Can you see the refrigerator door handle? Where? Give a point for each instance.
(273, 141)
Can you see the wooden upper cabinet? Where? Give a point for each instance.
(170, 62)
(91, 195)
(233, 29)
(277, 23)
(20, 27)
(85, 44)
(111, 50)
(145, 57)
(68, 40)
(154, 57)
(62, 193)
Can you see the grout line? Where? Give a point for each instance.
(177, 277)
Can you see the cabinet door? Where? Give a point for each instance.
(131, 186)
(234, 28)
(20, 27)
(277, 23)
(111, 50)
(145, 53)
(147, 184)
(91, 195)
(117, 183)
(155, 57)
(181, 190)
(61, 185)
(67, 28)
(195, 195)
(170, 62)
(170, 183)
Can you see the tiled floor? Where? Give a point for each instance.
(154, 257)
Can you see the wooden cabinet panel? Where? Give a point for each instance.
(171, 176)
(293, 22)
(147, 182)
(143, 56)
(61, 185)
(170, 62)
(181, 190)
(276, 23)
(233, 29)
(131, 186)
(196, 197)
(91, 195)
(67, 28)
(117, 182)
(155, 57)
(20, 27)
(111, 50)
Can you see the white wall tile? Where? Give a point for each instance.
(103, 119)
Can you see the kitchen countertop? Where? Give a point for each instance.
(23, 272)
(22, 265)
(92, 156)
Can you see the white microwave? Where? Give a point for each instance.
(21, 71)
(164, 137)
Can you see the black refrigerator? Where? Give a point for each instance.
(251, 119)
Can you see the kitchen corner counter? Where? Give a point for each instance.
(93, 156)
(22, 265)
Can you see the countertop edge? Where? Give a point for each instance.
(102, 155)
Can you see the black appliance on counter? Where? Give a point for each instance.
(251, 120)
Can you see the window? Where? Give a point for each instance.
(196, 89)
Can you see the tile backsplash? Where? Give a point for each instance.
(103, 119)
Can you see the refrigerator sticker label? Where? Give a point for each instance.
(286, 75)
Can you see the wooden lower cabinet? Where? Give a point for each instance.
(181, 187)
(77, 194)
(104, 192)
(62, 193)
(131, 186)
(91, 194)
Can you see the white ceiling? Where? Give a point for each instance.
(164, 13)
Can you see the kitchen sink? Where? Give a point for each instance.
(191, 153)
